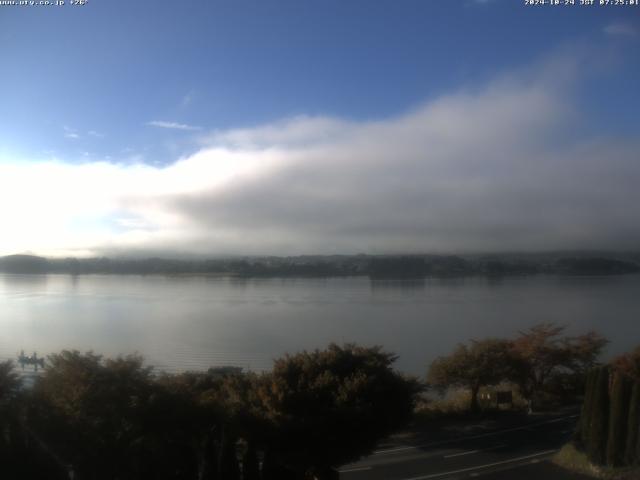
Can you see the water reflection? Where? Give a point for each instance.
(195, 322)
(16, 280)
(402, 285)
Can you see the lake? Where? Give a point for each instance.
(193, 322)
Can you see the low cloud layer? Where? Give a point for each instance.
(487, 170)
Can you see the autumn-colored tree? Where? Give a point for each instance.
(583, 351)
(541, 352)
(481, 363)
(628, 364)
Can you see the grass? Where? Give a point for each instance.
(570, 458)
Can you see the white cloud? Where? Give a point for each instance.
(621, 29)
(297, 131)
(474, 170)
(70, 133)
(172, 125)
(93, 133)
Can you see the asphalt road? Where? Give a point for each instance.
(516, 452)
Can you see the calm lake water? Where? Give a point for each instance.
(186, 323)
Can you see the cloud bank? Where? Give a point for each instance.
(491, 169)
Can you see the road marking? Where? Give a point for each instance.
(473, 451)
(461, 454)
(398, 449)
(472, 437)
(487, 465)
(354, 469)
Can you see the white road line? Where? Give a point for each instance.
(354, 469)
(398, 449)
(486, 465)
(461, 454)
(472, 437)
(473, 451)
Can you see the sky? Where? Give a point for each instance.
(288, 127)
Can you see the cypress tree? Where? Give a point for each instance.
(637, 460)
(633, 427)
(582, 431)
(596, 447)
(618, 412)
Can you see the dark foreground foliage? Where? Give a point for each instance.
(609, 427)
(113, 418)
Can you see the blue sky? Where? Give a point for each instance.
(148, 84)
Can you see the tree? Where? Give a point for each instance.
(542, 353)
(197, 414)
(329, 407)
(619, 411)
(481, 363)
(596, 448)
(584, 424)
(9, 380)
(93, 411)
(582, 351)
(9, 386)
(629, 364)
(633, 427)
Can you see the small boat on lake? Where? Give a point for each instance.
(30, 360)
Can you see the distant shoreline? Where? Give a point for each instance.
(336, 266)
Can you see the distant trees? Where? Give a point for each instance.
(398, 267)
(595, 266)
(532, 360)
(395, 266)
(481, 363)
